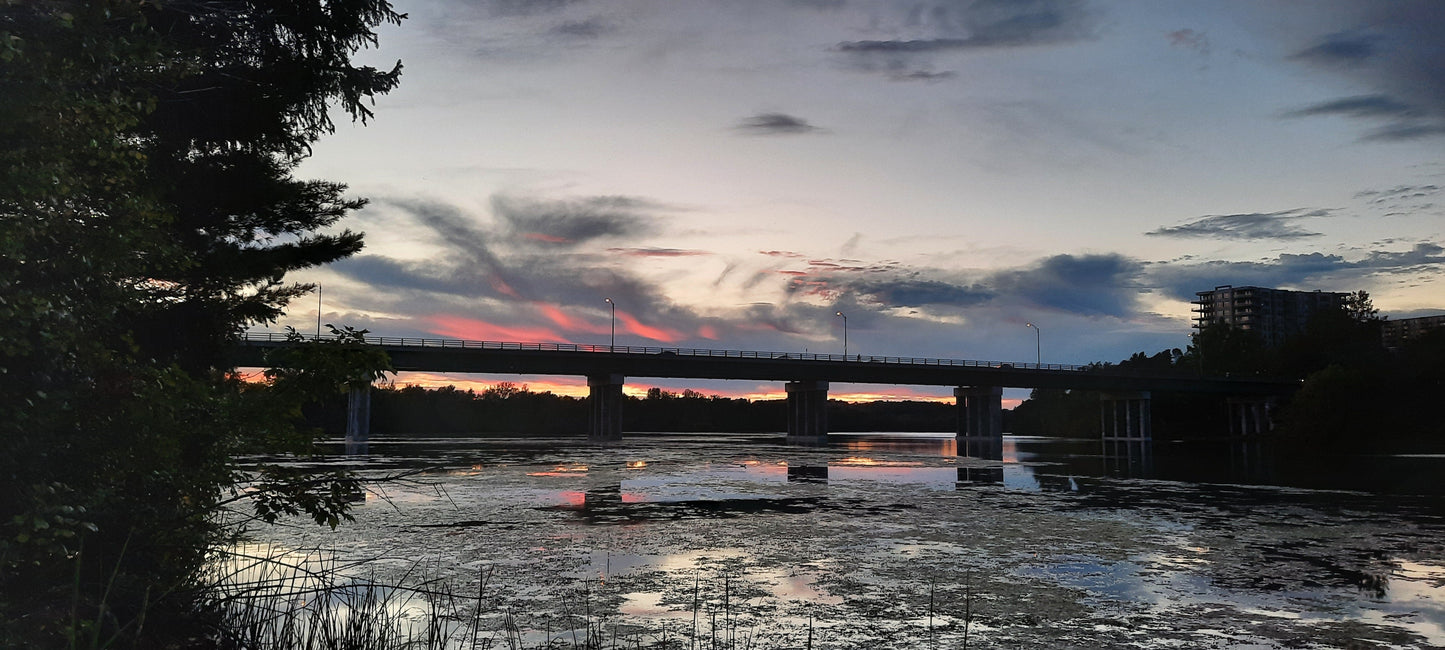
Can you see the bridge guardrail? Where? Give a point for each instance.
(686, 352)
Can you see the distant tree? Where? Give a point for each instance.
(503, 390)
(1360, 308)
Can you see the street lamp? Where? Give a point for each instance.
(318, 310)
(845, 336)
(613, 305)
(1038, 344)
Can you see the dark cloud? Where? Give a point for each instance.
(1420, 257)
(775, 124)
(1361, 106)
(1402, 198)
(482, 263)
(468, 245)
(656, 252)
(590, 28)
(1190, 40)
(566, 223)
(1396, 50)
(1308, 271)
(527, 7)
(925, 76)
(1402, 131)
(1256, 225)
(1088, 285)
(962, 27)
(920, 293)
(1343, 48)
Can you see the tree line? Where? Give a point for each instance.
(1355, 394)
(509, 408)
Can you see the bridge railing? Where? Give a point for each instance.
(414, 342)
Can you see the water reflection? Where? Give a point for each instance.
(1063, 530)
(807, 474)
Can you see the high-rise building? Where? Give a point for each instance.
(1274, 313)
(1396, 332)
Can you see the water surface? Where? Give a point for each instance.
(898, 541)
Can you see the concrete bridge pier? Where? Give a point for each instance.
(358, 419)
(807, 411)
(604, 407)
(1126, 416)
(1250, 416)
(980, 412)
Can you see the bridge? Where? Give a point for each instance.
(978, 385)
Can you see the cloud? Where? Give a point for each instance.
(584, 29)
(1399, 193)
(1342, 48)
(1256, 225)
(1396, 51)
(775, 124)
(918, 293)
(1328, 272)
(527, 7)
(1190, 40)
(1088, 285)
(927, 29)
(657, 252)
(534, 260)
(573, 222)
(1361, 106)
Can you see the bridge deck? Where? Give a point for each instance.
(492, 357)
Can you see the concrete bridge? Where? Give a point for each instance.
(977, 385)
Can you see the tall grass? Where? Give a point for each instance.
(307, 602)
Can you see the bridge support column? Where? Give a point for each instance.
(1249, 416)
(807, 411)
(1126, 416)
(604, 407)
(980, 412)
(358, 419)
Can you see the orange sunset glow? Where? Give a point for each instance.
(577, 387)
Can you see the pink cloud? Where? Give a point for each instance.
(478, 330)
(635, 326)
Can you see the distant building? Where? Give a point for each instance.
(1274, 313)
(1396, 332)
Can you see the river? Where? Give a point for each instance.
(896, 540)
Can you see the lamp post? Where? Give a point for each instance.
(318, 310)
(613, 342)
(845, 336)
(1038, 344)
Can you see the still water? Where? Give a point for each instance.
(897, 540)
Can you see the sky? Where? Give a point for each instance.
(733, 173)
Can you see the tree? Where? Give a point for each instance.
(148, 213)
(1360, 308)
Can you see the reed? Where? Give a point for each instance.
(310, 602)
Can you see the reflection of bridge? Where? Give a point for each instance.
(978, 385)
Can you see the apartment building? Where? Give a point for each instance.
(1274, 313)
(1398, 332)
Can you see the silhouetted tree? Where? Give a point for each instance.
(148, 214)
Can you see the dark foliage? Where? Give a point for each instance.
(147, 215)
(1355, 394)
(507, 408)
